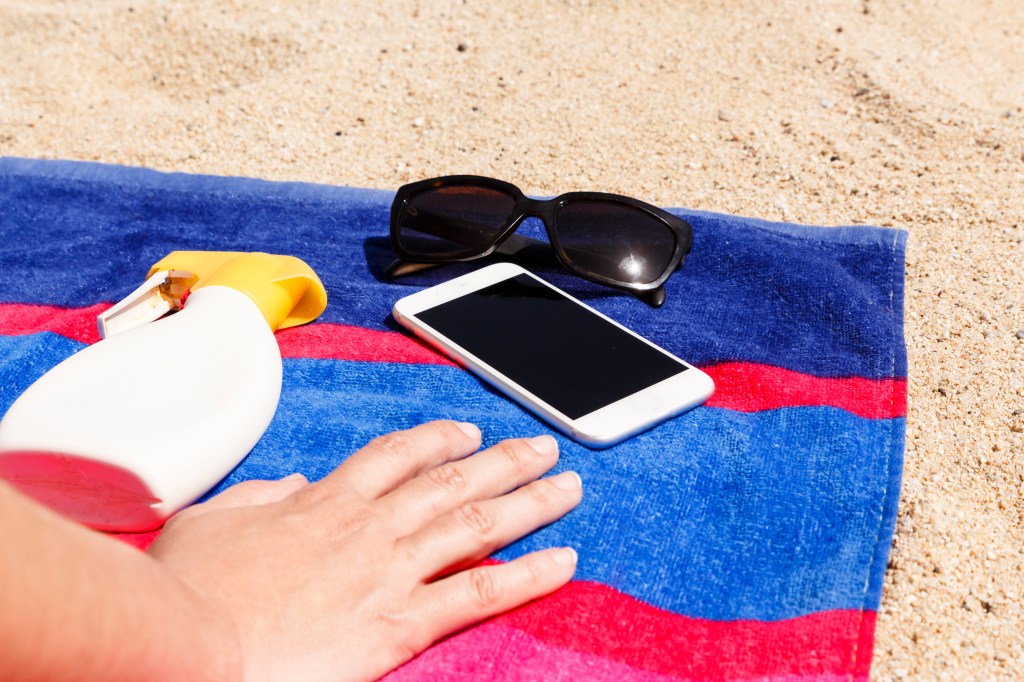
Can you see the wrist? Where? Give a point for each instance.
(210, 646)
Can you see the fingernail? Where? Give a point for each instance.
(470, 430)
(544, 445)
(566, 556)
(294, 477)
(567, 480)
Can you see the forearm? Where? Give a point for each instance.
(287, 579)
(79, 605)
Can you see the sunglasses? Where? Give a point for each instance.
(605, 238)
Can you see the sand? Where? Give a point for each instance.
(905, 114)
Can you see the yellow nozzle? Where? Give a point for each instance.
(285, 289)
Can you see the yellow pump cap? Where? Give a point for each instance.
(285, 288)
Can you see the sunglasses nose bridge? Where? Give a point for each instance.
(539, 209)
(533, 208)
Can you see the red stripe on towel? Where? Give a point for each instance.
(459, 658)
(319, 341)
(749, 387)
(78, 324)
(328, 341)
(741, 386)
(595, 619)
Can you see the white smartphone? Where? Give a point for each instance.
(582, 372)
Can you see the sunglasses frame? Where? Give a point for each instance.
(546, 210)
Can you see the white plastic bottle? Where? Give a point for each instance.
(131, 429)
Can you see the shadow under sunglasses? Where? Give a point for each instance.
(385, 268)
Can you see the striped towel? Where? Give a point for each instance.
(744, 540)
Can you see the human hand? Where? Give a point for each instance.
(351, 576)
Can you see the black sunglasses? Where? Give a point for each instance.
(606, 238)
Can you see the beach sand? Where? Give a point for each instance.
(905, 114)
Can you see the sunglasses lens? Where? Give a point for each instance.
(448, 221)
(615, 240)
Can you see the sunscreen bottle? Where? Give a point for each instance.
(138, 425)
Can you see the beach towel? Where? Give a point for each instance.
(746, 539)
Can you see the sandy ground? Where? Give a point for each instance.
(890, 113)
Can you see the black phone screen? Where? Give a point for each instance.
(567, 356)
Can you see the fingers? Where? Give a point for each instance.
(249, 493)
(392, 459)
(471, 596)
(477, 528)
(487, 474)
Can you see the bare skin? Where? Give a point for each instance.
(345, 578)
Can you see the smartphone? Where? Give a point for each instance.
(580, 371)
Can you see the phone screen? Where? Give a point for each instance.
(572, 359)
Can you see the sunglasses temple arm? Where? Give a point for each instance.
(401, 268)
(654, 298)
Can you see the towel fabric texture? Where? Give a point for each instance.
(746, 539)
